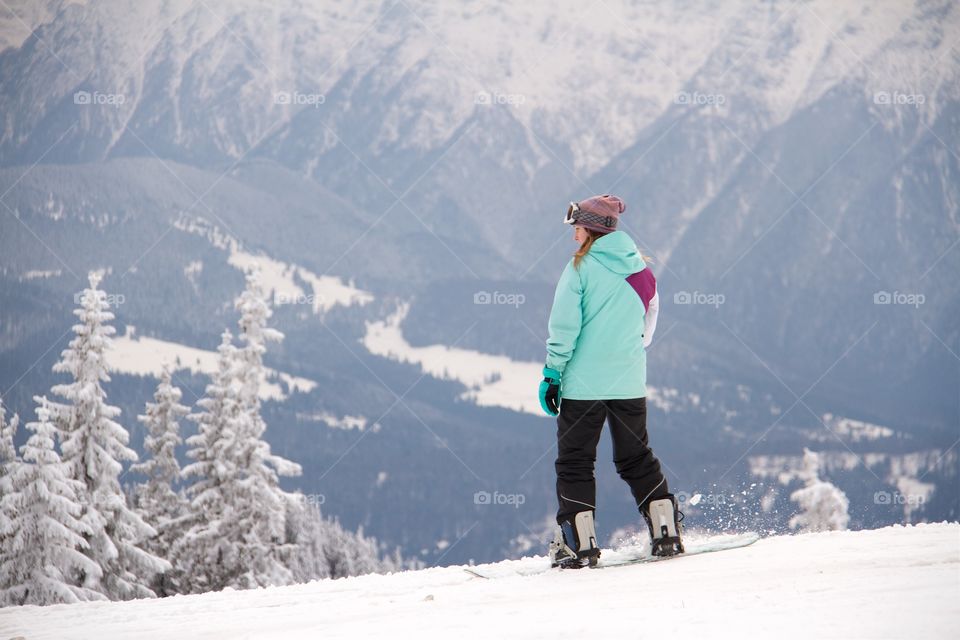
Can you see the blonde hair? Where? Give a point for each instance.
(585, 248)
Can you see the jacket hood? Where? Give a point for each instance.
(617, 252)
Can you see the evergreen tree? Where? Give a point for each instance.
(306, 532)
(324, 549)
(204, 559)
(8, 452)
(42, 560)
(823, 507)
(8, 430)
(8, 458)
(157, 499)
(261, 503)
(237, 536)
(347, 553)
(94, 446)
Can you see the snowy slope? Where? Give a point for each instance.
(18, 18)
(895, 582)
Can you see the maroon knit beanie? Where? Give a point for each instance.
(599, 213)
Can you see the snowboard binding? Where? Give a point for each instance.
(664, 521)
(575, 544)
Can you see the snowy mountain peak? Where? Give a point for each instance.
(217, 81)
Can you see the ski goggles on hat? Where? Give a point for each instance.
(576, 215)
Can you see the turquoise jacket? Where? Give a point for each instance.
(597, 322)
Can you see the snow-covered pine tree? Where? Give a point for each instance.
(259, 516)
(237, 535)
(8, 430)
(158, 499)
(8, 457)
(347, 553)
(94, 446)
(41, 561)
(306, 531)
(8, 452)
(823, 507)
(324, 549)
(205, 560)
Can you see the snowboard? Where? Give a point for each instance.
(615, 558)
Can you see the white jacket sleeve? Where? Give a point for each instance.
(650, 319)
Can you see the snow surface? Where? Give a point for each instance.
(491, 380)
(347, 422)
(853, 430)
(145, 356)
(327, 291)
(40, 274)
(19, 18)
(278, 278)
(896, 582)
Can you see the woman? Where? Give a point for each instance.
(603, 317)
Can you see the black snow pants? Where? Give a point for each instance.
(578, 432)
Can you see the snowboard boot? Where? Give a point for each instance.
(575, 543)
(663, 519)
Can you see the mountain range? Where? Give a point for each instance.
(791, 168)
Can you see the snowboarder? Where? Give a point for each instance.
(603, 318)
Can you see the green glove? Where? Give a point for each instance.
(550, 391)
